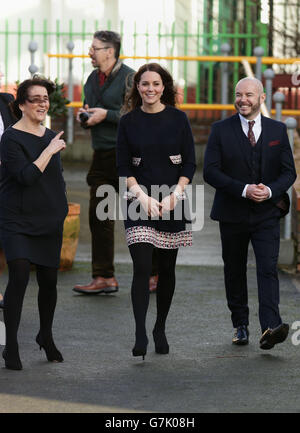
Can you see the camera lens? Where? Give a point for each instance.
(84, 117)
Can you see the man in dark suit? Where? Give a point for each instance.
(249, 162)
(5, 113)
(6, 119)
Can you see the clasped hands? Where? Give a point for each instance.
(257, 193)
(154, 208)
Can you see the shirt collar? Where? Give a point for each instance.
(245, 121)
(113, 69)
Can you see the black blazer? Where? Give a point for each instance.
(227, 167)
(6, 114)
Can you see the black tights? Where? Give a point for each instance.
(141, 254)
(19, 271)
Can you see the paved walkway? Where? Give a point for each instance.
(204, 372)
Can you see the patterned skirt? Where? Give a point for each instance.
(160, 239)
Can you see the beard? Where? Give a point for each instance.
(254, 108)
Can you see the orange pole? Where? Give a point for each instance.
(251, 59)
(216, 107)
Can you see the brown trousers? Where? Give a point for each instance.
(103, 171)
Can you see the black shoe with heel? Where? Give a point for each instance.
(160, 342)
(12, 359)
(140, 347)
(52, 353)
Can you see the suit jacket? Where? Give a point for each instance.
(227, 167)
(7, 116)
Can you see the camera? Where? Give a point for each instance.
(84, 117)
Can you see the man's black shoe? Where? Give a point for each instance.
(241, 336)
(274, 336)
(1, 304)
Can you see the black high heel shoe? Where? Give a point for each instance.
(160, 342)
(52, 353)
(140, 348)
(12, 361)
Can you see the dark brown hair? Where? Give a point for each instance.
(22, 92)
(111, 38)
(133, 99)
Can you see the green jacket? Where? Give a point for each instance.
(111, 97)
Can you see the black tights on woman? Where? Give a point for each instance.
(19, 271)
(141, 254)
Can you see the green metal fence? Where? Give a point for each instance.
(201, 81)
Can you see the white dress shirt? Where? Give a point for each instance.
(256, 127)
(1, 126)
(256, 131)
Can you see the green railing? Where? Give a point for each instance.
(201, 81)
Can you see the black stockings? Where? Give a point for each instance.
(19, 271)
(141, 254)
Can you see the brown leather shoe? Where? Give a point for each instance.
(111, 285)
(153, 283)
(98, 285)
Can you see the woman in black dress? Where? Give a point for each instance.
(155, 147)
(33, 207)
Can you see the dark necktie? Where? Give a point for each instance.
(251, 135)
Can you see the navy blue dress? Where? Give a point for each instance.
(156, 149)
(33, 204)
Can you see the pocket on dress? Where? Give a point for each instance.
(176, 159)
(136, 161)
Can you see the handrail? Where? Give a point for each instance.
(214, 107)
(251, 59)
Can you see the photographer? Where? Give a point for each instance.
(104, 95)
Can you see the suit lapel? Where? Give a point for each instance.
(96, 89)
(242, 144)
(5, 113)
(264, 145)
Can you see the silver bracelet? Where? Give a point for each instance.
(180, 196)
(129, 196)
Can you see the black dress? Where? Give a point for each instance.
(156, 149)
(33, 204)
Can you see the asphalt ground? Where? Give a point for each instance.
(203, 373)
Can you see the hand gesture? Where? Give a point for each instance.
(257, 193)
(150, 205)
(56, 144)
(168, 204)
